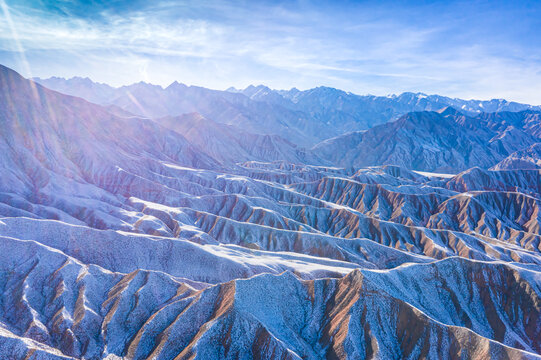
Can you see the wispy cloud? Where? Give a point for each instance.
(462, 49)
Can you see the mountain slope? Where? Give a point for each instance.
(444, 141)
(59, 149)
(229, 144)
(528, 158)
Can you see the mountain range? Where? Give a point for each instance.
(304, 117)
(187, 223)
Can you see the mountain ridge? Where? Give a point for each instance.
(441, 141)
(300, 116)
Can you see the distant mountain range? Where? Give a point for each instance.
(187, 223)
(303, 117)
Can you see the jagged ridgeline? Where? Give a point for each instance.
(194, 223)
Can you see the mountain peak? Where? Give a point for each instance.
(141, 85)
(176, 85)
(11, 81)
(5, 71)
(449, 111)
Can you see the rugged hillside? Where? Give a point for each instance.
(443, 141)
(125, 237)
(456, 312)
(528, 158)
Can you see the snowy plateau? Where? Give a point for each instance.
(144, 222)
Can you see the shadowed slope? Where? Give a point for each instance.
(443, 141)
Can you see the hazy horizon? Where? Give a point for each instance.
(275, 89)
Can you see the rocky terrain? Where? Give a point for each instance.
(528, 158)
(208, 235)
(442, 141)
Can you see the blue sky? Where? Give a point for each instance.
(470, 49)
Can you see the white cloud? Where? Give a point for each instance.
(361, 50)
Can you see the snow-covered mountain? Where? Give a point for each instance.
(191, 236)
(351, 112)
